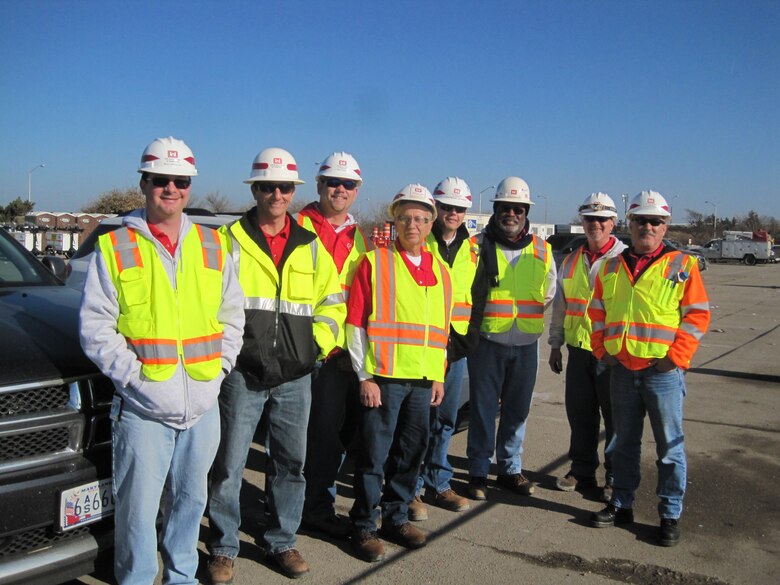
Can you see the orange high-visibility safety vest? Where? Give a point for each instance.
(161, 324)
(462, 272)
(409, 324)
(519, 296)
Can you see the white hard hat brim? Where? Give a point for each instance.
(453, 201)
(251, 180)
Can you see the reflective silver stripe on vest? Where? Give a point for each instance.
(500, 308)
(236, 251)
(597, 304)
(124, 247)
(541, 249)
(651, 334)
(330, 300)
(155, 351)
(313, 246)
(461, 312)
(203, 349)
(527, 309)
(614, 330)
(675, 266)
(287, 307)
(611, 265)
(399, 326)
(330, 322)
(212, 248)
(692, 330)
(685, 309)
(598, 326)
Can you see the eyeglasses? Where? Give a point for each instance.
(284, 188)
(348, 184)
(413, 219)
(507, 207)
(653, 221)
(595, 218)
(447, 208)
(164, 181)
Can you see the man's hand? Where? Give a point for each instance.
(370, 395)
(437, 393)
(610, 360)
(664, 364)
(556, 360)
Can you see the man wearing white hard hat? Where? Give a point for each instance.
(334, 386)
(294, 316)
(587, 379)
(449, 241)
(649, 311)
(520, 275)
(398, 318)
(162, 316)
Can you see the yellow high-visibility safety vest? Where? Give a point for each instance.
(296, 287)
(519, 296)
(162, 324)
(577, 292)
(462, 272)
(409, 324)
(353, 259)
(645, 314)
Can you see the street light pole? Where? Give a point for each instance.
(29, 180)
(714, 219)
(480, 196)
(671, 206)
(624, 197)
(545, 207)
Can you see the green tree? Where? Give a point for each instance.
(16, 210)
(116, 201)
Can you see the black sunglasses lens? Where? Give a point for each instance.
(163, 182)
(652, 221)
(284, 188)
(449, 208)
(347, 183)
(518, 209)
(594, 218)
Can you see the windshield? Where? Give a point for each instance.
(18, 266)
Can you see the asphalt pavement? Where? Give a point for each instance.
(730, 524)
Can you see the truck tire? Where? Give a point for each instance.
(749, 259)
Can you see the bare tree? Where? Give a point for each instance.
(217, 202)
(116, 201)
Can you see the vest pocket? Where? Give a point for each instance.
(300, 284)
(134, 287)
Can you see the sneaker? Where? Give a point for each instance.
(334, 525)
(220, 569)
(291, 563)
(606, 492)
(478, 488)
(447, 499)
(367, 545)
(668, 532)
(405, 534)
(417, 510)
(516, 482)
(569, 483)
(610, 516)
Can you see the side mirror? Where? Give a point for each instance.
(57, 266)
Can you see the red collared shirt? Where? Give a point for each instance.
(593, 256)
(279, 241)
(639, 263)
(163, 238)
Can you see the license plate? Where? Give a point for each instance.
(86, 503)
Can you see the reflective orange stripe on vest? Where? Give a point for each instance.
(126, 250)
(212, 250)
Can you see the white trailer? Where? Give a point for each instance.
(740, 247)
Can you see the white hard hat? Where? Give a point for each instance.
(413, 193)
(341, 165)
(274, 165)
(649, 203)
(453, 191)
(513, 190)
(598, 205)
(168, 156)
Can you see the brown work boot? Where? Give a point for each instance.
(417, 510)
(367, 545)
(570, 482)
(291, 563)
(516, 482)
(407, 534)
(447, 499)
(478, 489)
(220, 569)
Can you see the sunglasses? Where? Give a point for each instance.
(448, 208)
(507, 207)
(348, 184)
(284, 188)
(596, 218)
(653, 221)
(163, 182)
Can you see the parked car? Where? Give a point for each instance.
(560, 254)
(55, 433)
(77, 272)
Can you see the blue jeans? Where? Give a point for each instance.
(334, 402)
(242, 404)
(148, 459)
(436, 472)
(587, 401)
(660, 396)
(499, 375)
(394, 438)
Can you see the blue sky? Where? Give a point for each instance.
(617, 96)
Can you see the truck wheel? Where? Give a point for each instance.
(750, 260)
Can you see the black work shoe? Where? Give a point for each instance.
(610, 516)
(668, 532)
(334, 526)
(570, 482)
